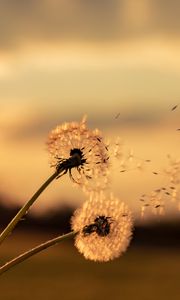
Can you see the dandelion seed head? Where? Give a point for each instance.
(80, 151)
(110, 212)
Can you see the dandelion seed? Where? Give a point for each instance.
(154, 201)
(174, 195)
(174, 107)
(131, 155)
(75, 149)
(117, 116)
(172, 187)
(157, 190)
(117, 151)
(124, 215)
(142, 211)
(139, 166)
(162, 196)
(104, 227)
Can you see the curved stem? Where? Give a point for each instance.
(25, 208)
(35, 250)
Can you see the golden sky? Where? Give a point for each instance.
(61, 59)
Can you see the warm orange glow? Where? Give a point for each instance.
(63, 59)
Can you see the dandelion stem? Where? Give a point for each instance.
(17, 260)
(25, 208)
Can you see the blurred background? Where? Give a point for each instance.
(118, 62)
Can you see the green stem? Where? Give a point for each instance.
(35, 250)
(25, 208)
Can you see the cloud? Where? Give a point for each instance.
(95, 20)
(32, 124)
(166, 16)
(55, 20)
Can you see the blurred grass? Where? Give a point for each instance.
(62, 273)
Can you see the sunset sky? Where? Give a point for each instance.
(62, 59)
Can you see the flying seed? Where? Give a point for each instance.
(174, 107)
(155, 173)
(99, 139)
(117, 116)
(158, 190)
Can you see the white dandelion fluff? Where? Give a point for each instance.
(159, 199)
(75, 149)
(104, 227)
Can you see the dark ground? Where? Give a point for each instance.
(149, 270)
